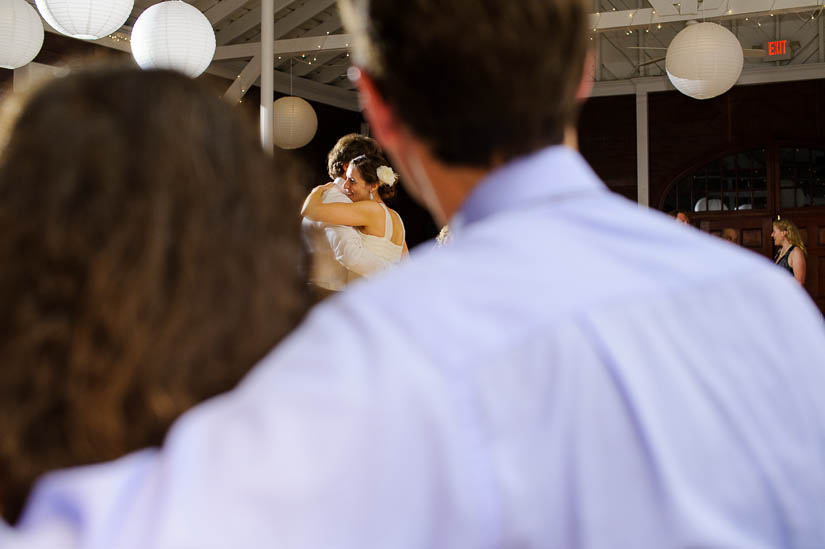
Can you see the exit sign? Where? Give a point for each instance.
(777, 50)
(777, 47)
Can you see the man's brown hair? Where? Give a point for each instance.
(347, 148)
(149, 260)
(480, 81)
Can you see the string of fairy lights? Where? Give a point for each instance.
(633, 17)
(311, 59)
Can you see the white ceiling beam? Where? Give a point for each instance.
(289, 46)
(664, 7)
(328, 74)
(735, 9)
(757, 75)
(202, 5)
(106, 41)
(249, 75)
(300, 16)
(308, 89)
(313, 63)
(224, 9)
(240, 26)
(315, 91)
(247, 22)
(689, 7)
(330, 25)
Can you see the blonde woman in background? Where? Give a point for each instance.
(791, 254)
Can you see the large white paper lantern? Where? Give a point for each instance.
(173, 35)
(21, 33)
(295, 122)
(704, 60)
(85, 19)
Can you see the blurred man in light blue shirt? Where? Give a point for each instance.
(570, 371)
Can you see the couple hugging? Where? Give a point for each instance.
(350, 231)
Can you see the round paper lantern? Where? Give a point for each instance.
(85, 19)
(173, 35)
(295, 122)
(21, 33)
(704, 60)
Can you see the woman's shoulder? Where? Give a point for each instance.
(393, 213)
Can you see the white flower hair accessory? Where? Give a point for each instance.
(386, 175)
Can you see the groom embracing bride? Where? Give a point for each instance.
(340, 252)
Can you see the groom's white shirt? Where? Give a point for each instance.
(337, 252)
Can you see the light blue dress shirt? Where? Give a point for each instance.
(570, 371)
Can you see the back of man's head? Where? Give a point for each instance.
(479, 81)
(348, 147)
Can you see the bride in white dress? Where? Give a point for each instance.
(369, 182)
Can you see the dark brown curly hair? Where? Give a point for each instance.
(149, 260)
(347, 148)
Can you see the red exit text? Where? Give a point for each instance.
(777, 47)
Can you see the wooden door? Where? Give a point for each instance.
(777, 180)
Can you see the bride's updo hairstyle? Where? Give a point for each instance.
(375, 170)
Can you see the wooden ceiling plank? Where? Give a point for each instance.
(734, 9)
(288, 46)
(223, 9)
(664, 7)
(301, 15)
(332, 24)
(247, 22)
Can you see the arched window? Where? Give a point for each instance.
(801, 177)
(735, 182)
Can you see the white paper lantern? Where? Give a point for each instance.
(21, 33)
(295, 122)
(173, 35)
(704, 60)
(85, 19)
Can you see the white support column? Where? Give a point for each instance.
(642, 150)
(777, 26)
(597, 49)
(267, 74)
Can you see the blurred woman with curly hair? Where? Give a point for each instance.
(149, 260)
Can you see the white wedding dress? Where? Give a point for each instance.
(382, 246)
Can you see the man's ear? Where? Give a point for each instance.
(378, 113)
(588, 76)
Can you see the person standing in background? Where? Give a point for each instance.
(791, 253)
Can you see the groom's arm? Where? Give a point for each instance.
(346, 243)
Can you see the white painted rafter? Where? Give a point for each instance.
(734, 9)
(758, 75)
(289, 46)
(248, 76)
(247, 22)
(300, 16)
(223, 9)
(664, 7)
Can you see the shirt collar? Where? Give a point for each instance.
(548, 174)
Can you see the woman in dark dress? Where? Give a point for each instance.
(791, 254)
